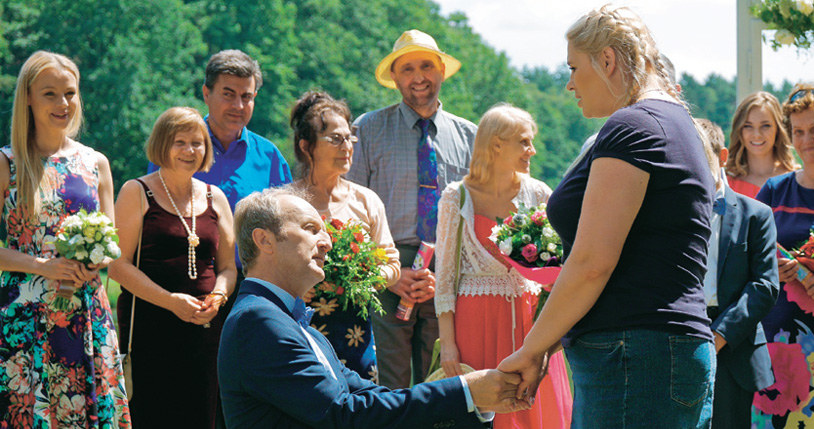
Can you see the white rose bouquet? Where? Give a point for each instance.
(87, 238)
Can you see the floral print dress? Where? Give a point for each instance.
(58, 369)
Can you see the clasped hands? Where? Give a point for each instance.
(199, 311)
(512, 386)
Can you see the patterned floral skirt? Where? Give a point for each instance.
(349, 334)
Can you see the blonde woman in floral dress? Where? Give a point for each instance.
(58, 369)
(323, 144)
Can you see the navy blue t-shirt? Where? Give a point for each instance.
(658, 282)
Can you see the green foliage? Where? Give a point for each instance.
(140, 57)
(794, 20)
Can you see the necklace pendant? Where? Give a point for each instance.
(193, 239)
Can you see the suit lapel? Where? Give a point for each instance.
(730, 224)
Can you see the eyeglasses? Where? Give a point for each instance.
(338, 140)
(800, 94)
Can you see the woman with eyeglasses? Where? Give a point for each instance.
(323, 144)
(759, 147)
(789, 325)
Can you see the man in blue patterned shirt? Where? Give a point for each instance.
(387, 159)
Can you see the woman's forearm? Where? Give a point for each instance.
(446, 328)
(12, 260)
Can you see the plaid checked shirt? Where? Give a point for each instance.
(386, 159)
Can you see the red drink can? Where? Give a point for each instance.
(421, 261)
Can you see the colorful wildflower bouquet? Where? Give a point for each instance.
(352, 269)
(529, 243)
(795, 290)
(793, 20)
(87, 238)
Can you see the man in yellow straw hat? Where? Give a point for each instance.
(408, 153)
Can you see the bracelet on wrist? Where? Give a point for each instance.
(224, 298)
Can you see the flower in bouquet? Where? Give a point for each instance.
(527, 238)
(88, 238)
(353, 269)
(793, 20)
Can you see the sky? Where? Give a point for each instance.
(699, 36)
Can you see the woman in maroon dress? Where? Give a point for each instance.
(185, 273)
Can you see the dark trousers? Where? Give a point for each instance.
(404, 348)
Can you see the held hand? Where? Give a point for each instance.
(209, 309)
(529, 367)
(808, 283)
(450, 360)
(423, 288)
(787, 269)
(403, 288)
(184, 306)
(88, 273)
(493, 390)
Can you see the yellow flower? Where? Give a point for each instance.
(354, 336)
(381, 254)
(321, 329)
(324, 308)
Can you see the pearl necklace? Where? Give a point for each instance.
(192, 238)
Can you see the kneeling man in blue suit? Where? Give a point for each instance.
(277, 372)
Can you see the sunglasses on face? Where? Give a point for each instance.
(800, 94)
(338, 140)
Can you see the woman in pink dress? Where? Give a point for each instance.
(493, 309)
(759, 147)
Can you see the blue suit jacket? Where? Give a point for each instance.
(748, 286)
(270, 378)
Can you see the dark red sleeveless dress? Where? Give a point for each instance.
(174, 362)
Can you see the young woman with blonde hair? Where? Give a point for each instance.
(494, 306)
(59, 366)
(634, 217)
(759, 146)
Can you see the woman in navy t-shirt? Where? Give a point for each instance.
(634, 218)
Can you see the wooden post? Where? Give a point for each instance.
(750, 56)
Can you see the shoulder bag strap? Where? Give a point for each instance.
(456, 279)
(138, 260)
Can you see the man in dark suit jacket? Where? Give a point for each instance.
(741, 287)
(277, 372)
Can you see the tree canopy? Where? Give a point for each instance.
(140, 57)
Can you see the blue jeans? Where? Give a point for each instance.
(641, 379)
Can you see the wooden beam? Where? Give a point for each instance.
(750, 55)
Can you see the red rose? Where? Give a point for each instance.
(508, 221)
(359, 237)
(336, 223)
(354, 248)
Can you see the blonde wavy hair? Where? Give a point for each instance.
(30, 172)
(501, 122)
(637, 56)
(738, 162)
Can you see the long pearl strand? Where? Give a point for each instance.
(192, 238)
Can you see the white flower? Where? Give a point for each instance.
(495, 233)
(545, 256)
(506, 246)
(80, 254)
(526, 238)
(519, 219)
(72, 222)
(804, 6)
(551, 247)
(784, 37)
(113, 250)
(548, 232)
(97, 255)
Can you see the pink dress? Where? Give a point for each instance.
(743, 187)
(494, 306)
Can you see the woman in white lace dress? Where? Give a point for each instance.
(493, 309)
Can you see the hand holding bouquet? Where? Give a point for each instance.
(87, 238)
(530, 245)
(352, 268)
(795, 289)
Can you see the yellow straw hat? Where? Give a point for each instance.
(412, 41)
